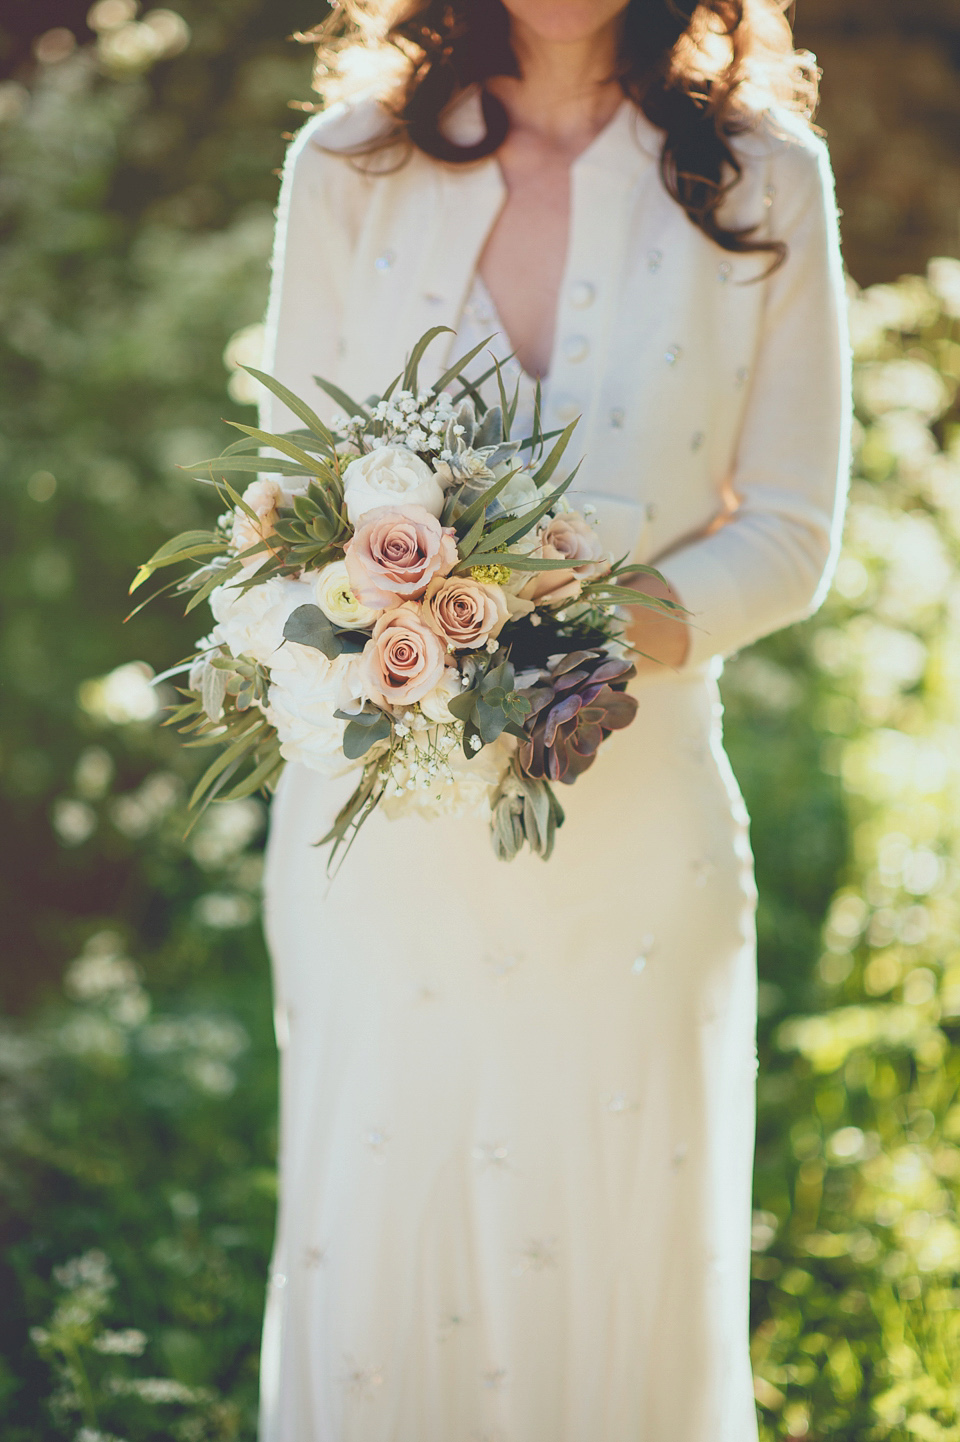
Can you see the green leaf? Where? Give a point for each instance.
(512, 562)
(416, 355)
(345, 402)
(243, 743)
(461, 364)
(478, 507)
(264, 464)
(462, 706)
(358, 738)
(225, 573)
(260, 777)
(266, 438)
(490, 722)
(513, 528)
(294, 404)
(556, 453)
(308, 626)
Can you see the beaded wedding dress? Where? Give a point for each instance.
(518, 1105)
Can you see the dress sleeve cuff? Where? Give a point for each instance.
(704, 586)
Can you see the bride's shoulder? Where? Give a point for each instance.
(777, 135)
(347, 128)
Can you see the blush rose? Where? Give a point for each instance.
(404, 659)
(395, 554)
(463, 612)
(263, 498)
(567, 537)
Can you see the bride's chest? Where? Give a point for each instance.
(656, 328)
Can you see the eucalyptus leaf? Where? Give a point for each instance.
(308, 626)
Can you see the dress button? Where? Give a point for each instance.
(385, 261)
(576, 347)
(566, 408)
(617, 418)
(582, 294)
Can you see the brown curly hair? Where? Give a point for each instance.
(700, 70)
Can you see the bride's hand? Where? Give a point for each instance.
(662, 639)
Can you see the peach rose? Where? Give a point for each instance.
(463, 612)
(565, 537)
(395, 554)
(263, 497)
(404, 659)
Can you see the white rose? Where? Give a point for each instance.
(306, 688)
(251, 622)
(336, 600)
(520, 494)
(434, 705)
(390, 476)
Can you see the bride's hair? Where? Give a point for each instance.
(700, 70)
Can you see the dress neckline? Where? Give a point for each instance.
(484, 304)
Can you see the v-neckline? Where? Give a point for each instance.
(585, 156)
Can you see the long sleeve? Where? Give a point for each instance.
(771, 563)
(311, 262)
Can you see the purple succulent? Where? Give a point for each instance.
(579, 701)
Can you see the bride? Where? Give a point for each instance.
(518, 1100)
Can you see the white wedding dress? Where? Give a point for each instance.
(518, 1106)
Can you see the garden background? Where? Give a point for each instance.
(138, 157)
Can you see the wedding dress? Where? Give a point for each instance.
(519, 1104)
(517, 1100)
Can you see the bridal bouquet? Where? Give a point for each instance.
(407, 594)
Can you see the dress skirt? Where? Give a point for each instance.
(517, 1111)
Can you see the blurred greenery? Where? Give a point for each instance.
(137, 1069)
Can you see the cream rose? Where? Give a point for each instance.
(390, 476)
(263, 497)
(463, 612)
(520, 494)
(435, 705)
(567, 537)
(337, 601)
(403, 660)
(395, 554)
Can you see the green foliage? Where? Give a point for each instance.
(858, 1166)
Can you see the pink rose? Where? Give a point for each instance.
(404, 659)
(263, 498)
(395, 554)
(463, 612)
(565, 538)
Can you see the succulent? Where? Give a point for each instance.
(575, 705)
(474, 447)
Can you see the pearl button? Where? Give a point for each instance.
(672, 354)
(741, 376)
(697, 440)
(768, 195)
(576, 347)
(654, 260)
(566, 408)
(724, 272)
(582, 294)
(617, 418)
(385, 261)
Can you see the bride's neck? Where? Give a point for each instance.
(564, 94)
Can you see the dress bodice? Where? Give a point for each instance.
(479, 319)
